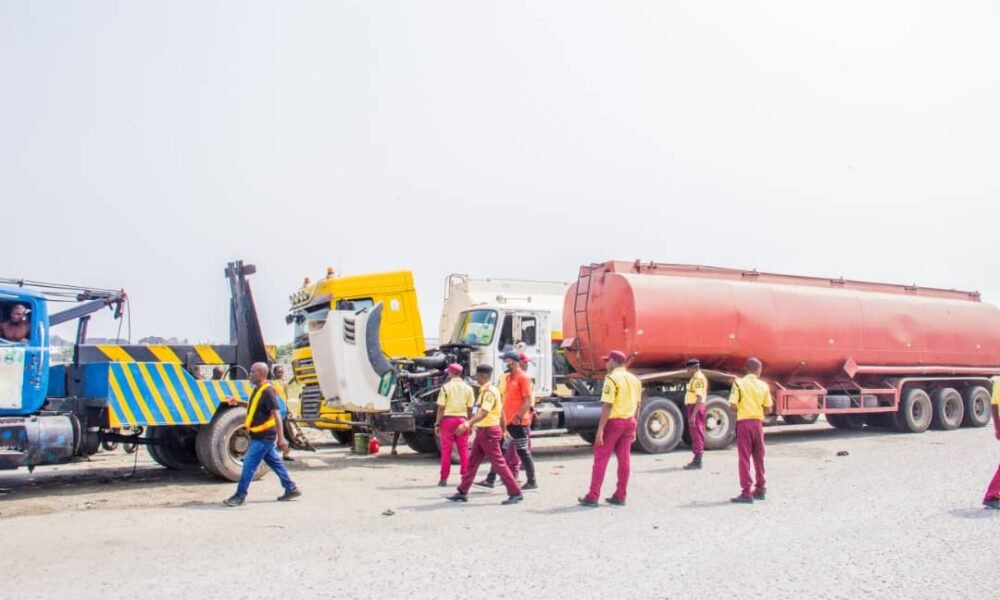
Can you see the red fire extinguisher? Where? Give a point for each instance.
(373, 445)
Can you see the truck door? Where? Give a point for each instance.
(24, 366)
(527, 327)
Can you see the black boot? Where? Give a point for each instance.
(694, 464)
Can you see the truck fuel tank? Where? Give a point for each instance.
(37, 440)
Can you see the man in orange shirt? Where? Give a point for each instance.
(749, 398)
(509, 449)
(517, 401)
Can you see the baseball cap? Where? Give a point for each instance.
(511, 355)
(523, 358)
(454, 369)
(694, 362)
(615, 355)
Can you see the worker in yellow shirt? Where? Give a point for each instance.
(749, 397)
(454, 404)
(694, 402)
(620, 399)
(992, 499)
(490, 430)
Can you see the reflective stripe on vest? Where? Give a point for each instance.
(252, 410)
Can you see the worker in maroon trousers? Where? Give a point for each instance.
(620, 401)
(992, 498)
(490, 430)
(749, 398)
(694, 402)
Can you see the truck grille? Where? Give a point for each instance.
(311, 399)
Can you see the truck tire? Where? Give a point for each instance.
(801, 419)
(589, 436)
(660, 426)
(423, 443)
(948, 409)
(174, 447)
(345, 437)
(720, 423)
(915, 412)
(221, 444)
(977, 406)
(847, 421)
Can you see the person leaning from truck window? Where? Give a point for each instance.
(992, 498)
(454, 407)
(509, 448)
(278, 381)
(16, 327)
(620, 400)
(264, 423)
(694, 402)
(490, 430)
(749, 398)
(218, 373)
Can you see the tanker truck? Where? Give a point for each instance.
(864, 354)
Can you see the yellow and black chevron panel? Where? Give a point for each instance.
(198, 354)
(163, 393)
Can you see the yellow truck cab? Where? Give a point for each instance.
(401, 333)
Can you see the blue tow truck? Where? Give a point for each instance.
(56, 413)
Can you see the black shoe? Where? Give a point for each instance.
(288, 458)
(760, 496)
(585, 501)
(234, 500)
(513, 499)
(994, 503)
(741, 499)
(694, 464)
(459, 497)
(486, 483)
(531, 485)
(443, 483)
(291, 494)
(615, 501)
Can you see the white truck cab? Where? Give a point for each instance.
(494, 329)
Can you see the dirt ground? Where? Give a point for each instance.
(898, 517)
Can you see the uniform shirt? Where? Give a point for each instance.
(267, 404)
(517, 387)
(456, 397)
(623, 391)
(489, 400)
(697, 388)
(751, 396)
(996, 392)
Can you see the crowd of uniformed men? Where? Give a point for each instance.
(502, 424)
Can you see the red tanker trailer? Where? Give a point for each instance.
(905, 357)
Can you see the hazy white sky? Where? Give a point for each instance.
(143, 144)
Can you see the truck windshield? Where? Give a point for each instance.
(475, 328)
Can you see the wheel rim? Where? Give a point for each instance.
(238, 445)
(716, 423)
(951, 411)
(980, 408)
(659, 424)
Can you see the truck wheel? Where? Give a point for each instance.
(345, 437)
(109, 446)
(589, 436)
(948, 409)
(915, 412)
(423, 443)
(175, 448)
(720, 423)
(660, 426)
(221, 445)
(977, 406)
(801, 419)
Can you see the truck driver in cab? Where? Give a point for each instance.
(16, 328)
